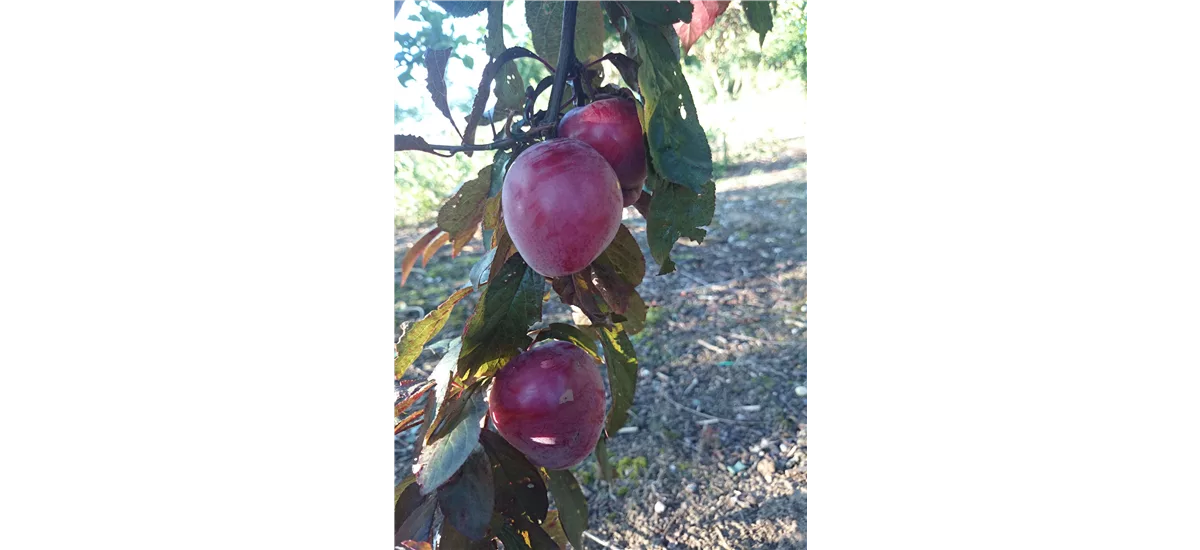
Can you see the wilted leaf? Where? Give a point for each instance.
(611, 286)
(572, 506)
(442, 457)
(491, 212)
(678, 146)
(627, 67)
(520, 489)
(675, 212)
(625, 256)
(510, 304)
(467, 498)
(553, 527)
(569, 333)
(435, 62)
(661, 13)
(433, 248)
(415, 251)
(545, 27)
(704, 14)
(463, 212)
(621, 360)
(575, 290)
(415, 338)
(461, 8)
(635, 315)
(418, 524)
(758, 15)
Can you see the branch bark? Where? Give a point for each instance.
(566, 63)
(405, 142)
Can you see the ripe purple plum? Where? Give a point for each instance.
(562, 205)
(612, 128)
(548, 403)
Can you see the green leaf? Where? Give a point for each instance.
(418, 524)
(468, 62)
(403, 486)
(625, 256)
(510, 91)
(520, 489)
(408, 498)
(521, 534)
(500, 163)
(661, 13)
(463, 211)
(461, 8)
(495, 29)
(572, 506)
(545, 27)
(467, 498)
(496, 332)
(479, 271)
(621, 360)
(442, 457)
(451, 538)
(569, 333)
(414, 339)
(678, 146)
(602, 458)
(435, 62)
(635, 315)
(758, 15)
(444, 372)
(675, 212)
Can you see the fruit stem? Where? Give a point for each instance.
(566, 62)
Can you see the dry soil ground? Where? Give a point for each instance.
(719, 455)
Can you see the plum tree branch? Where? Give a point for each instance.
(566, 62)
(405, 142)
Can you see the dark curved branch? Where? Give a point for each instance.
(566, 61)
(405, 142)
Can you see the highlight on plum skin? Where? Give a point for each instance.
(611, 127)
(548, 403)
(561, 204)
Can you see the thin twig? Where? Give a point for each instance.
(694, 411)
(410, 145)
(601, 541)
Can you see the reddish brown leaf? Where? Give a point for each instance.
(414, 252)
(433, 248)
(704, 14)
(407, 402)
(409, 421)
